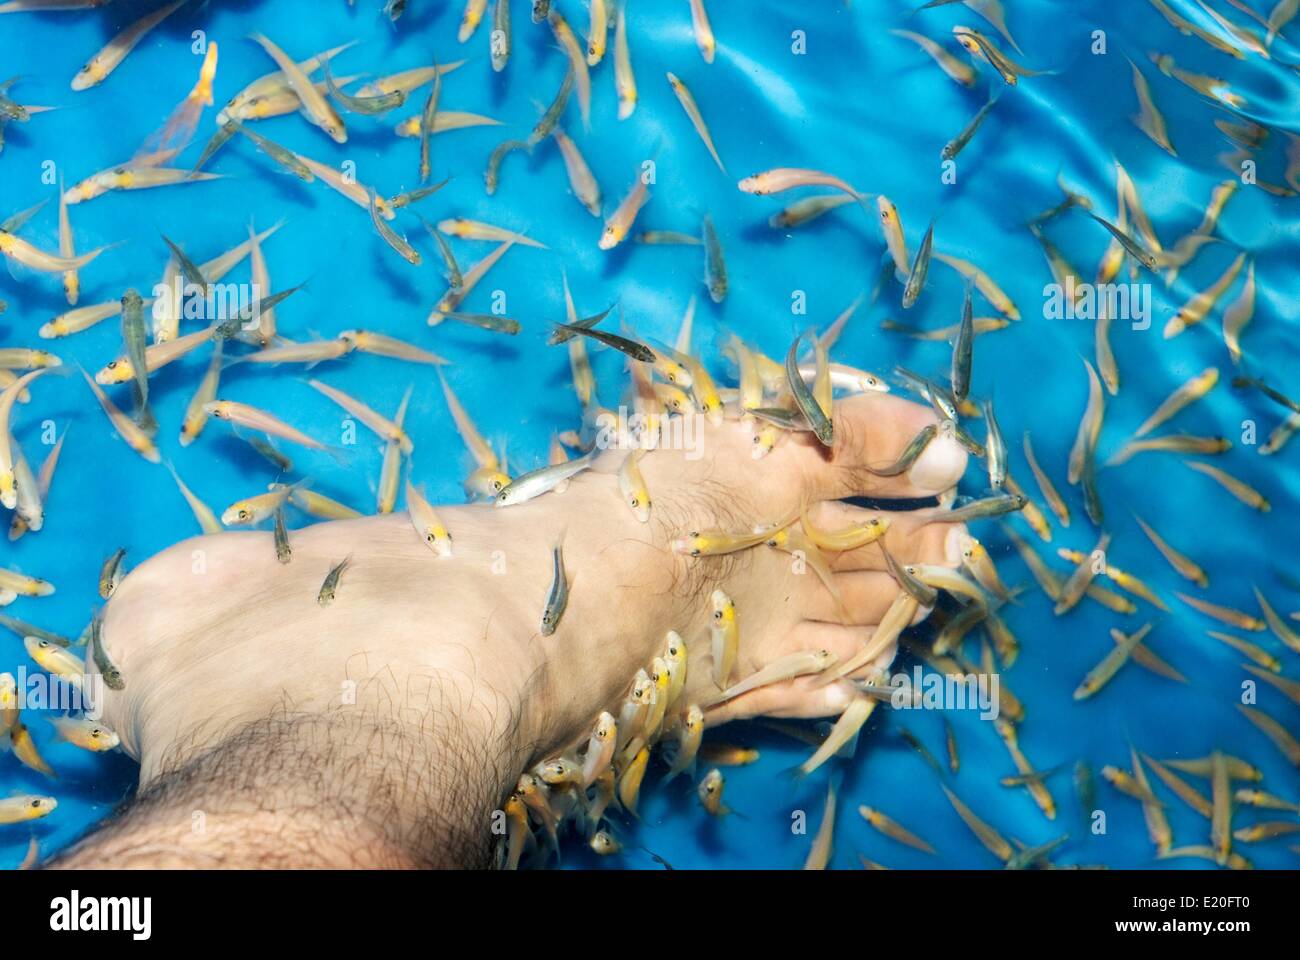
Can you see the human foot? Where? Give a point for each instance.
(214, 634)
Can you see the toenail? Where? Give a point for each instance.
(939, 466)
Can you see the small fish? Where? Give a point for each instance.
(894, 830)
(1102, 673)
(689, 734)
(994, 506)
(633, 348)
(1264, 388)
(1195, 309)
(958, 143)
(1251, 650)
(111, 573)
(381, 425)
(692, 109)
(1134, 249)
(629, 784)
(891, 225)
(136, 437)
(24, 748)
(808, 405)
(428, 525)
(715, 268)
(460, 290)
(470, 19)
(1267, 801)
(19, 250)
(56, 659)
(493, 172)
(568, 42)
(1238, 313)
(98, 67)
(620, 221)
(806, 210)
(600, 749)
(1127, 784)
(23, 807)
(1174, 443)
(1235, 618)
(801, 663)
(703, 31)
(533, 484)
(1085, 440)
(725, 637)
(1281, 737)
(781, 179)
(1275, 623)
(1242, 491)
(1149, 118)
(920, 267)
(993, 841)
(477, 230)
(244, 415)
(557, 596)
(957, 69)
(315, 106)
(1085, 571)
(283, 552)
(255, 509)
(915, 447)
(390, 236)
(319, 505)
(632, 485)
(414, 196)
(601, 842)
(329, 589)
(1289, 688)
(978, 45)
(581, 180)
(963, 350)
(1221, 809)
(853, 718)
(1186, 567)
(710, 793)
(995, 447)
(371, 106)
(983, 283)
(624, 81)
(391, 468)
(85, 733)
(819, 857)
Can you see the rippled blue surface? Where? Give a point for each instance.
(860, 103)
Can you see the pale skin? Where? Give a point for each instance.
(384, 728)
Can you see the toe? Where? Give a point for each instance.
(801, 698)
(872, 430)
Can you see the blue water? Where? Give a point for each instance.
(861, 103)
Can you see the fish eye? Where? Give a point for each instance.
(695, 552)
(633, 501)
(717, 614)
(36, 804)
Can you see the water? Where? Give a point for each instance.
(859, 102)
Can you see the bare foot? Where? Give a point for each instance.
(217, 638)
